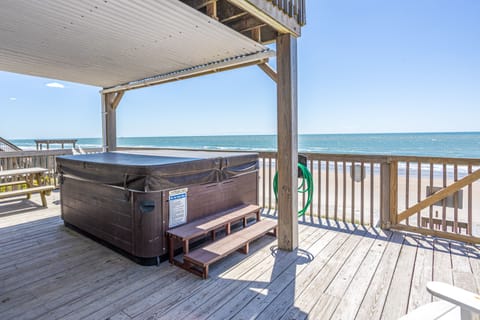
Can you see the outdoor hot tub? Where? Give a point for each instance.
(129, 199)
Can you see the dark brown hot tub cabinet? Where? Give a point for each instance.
(123, 200)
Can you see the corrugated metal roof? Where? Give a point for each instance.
(110, 42)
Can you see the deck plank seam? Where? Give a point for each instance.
(263, 312)
(257, 253)
(393, 273)
(267, 253)
(307, 236)
(339, 269)
(390, 234)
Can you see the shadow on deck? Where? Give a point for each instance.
(340, 271)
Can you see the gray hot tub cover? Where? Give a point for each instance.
(154, 170)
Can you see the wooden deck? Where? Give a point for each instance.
(340, 272)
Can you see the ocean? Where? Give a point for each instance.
(458, 144)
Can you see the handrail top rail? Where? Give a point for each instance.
(381, 158)
(33, 153)
(378, 158)
(54, 141)
(342, 156)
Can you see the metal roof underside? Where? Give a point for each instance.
(110, 43)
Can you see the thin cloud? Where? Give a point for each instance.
(12, 99)
(55, 85)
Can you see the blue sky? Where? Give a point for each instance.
(364, 66)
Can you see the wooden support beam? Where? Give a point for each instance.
(439, 195)
(234, 17)
(252, 28)
(110, 103)
(246, 24)
(269, 71)
(249, 60)
(117, 98)
(287, 142)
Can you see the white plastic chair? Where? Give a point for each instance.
(456, 303)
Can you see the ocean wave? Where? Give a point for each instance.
(455, 145)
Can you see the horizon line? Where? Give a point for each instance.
(264, 134)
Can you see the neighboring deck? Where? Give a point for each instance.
(50, 272)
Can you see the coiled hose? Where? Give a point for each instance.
(305, 187)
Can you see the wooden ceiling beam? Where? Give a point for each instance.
(234, 17)
(246, 24)
(194, 72)
(252, 28)
(268, 35)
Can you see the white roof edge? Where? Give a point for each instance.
(215, 66)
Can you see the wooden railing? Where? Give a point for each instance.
(28, 159)
(433, 196)
(346, 187)
(6, 146)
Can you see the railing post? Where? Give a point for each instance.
(394, 192)
(385, 196)
(389, 191)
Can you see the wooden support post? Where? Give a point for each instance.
(287, 142)
(110, 103)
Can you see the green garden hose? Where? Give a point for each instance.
(305, 187)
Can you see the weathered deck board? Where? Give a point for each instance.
(309, 298)
(284, 284)
(349, 304)
(474, 259)
(422, 274)
(399, 291)
(307, 237)
(208, 299)
(50, 272)
(319, 272)
(442, 264)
